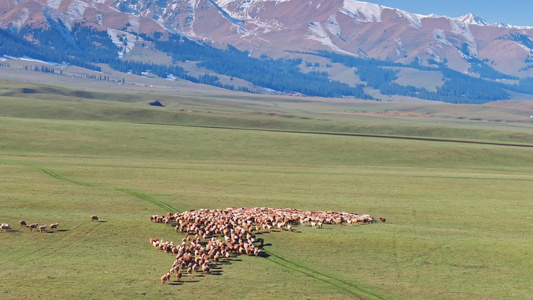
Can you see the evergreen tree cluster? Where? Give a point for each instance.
(485, 71)
(457, 87)
(280, 75)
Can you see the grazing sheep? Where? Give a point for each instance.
(319, 224)
(237, 226)
(94, 218)
(53, 226)
(33, 226)
(23, 223)
(165, 278)
(382, 220)
(42, 228)
(205, 268)
(5, 227)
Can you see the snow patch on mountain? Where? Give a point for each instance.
(432, 51)
(472, 19)
(440, 36)
(318, 33)
(400, 48)
(247, 3)
(368, 12)
(123, 40)
(23, 17)
(135, 25)
(257, 27)
(507, 26)
(53, 3)
(412, 18)
(244, 8)
(363, 11)
(333, 26)
(77, 9)
(462, 29)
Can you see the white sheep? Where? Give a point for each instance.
(5, 227)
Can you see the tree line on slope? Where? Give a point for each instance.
(457, 87)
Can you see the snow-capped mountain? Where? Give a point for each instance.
(276, 26)
(285, 28)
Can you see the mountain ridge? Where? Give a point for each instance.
(281, 29)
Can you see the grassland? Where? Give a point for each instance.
(458, 214)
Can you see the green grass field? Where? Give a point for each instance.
(459, 216)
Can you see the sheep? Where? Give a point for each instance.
(165, 278)
(5, 227)
(54, 226)
(94, 218)
(319, 224)
(237, 226)
(382, 220)
(33, 226)
(205, 268)
(42, 228)
(22, 223)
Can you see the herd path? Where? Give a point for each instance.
(349, 288)
(140, 195)
(394, 137)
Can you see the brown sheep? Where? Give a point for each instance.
(54, 226)
(22, 223)
(33, 226)
(42, 228)
(165, 278)
(94, 218)
(382, 220)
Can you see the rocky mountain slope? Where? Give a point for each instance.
(286, 29)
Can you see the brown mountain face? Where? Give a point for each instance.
(347, 26)
(274, 27)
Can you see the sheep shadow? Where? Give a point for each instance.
(182, 282)
(264, 254)
(55, 231)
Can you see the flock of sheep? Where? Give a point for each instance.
(41, 228)
(238, 227)
(22, 223)
(202, 247)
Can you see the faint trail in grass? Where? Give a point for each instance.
(138, 194)
(394, 137)
(167, 207)
(150, 199)
(63, 178)
(350, 288)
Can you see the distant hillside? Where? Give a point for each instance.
(279, 46)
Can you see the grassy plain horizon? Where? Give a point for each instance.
(458, 214)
